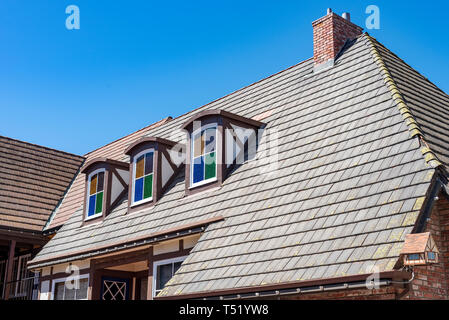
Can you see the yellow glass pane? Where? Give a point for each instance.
(198, 145)
(93, 184)
(140, 166)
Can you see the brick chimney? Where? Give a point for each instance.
(330, 33)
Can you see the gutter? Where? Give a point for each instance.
(386, 278)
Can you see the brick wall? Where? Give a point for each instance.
(383, 293)
(432, 282)
(329, 35)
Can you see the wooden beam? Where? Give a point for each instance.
(120, 259)
(9, 268)
(150, 275)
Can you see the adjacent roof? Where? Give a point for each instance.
(73, 201)
(344, 187)
(33, 179)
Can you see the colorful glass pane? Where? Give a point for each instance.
(198, 145)
(93, 184)
(198, 169)
(91, 205)
(99, 204)
(209, 137)
(149, 163)
(100, 182)
(138, 190)
(140, 166)
(210, 166)
(148, 186)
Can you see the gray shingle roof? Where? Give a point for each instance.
(349, 186)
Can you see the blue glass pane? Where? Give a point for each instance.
(138, 192)
(198, 169)
(91, 205)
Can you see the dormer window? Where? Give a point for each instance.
(96, 191)
(204, 155)
(106, 185)
(217, 141)
(152, 171)
(143, 177)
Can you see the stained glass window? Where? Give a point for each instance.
(143, 177)
(204, 155)
(95, 194)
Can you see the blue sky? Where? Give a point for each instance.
(132, 63)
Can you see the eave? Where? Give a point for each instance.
(296, 287)
(173, 233)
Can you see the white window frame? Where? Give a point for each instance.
(133, 203)
(163, 262)
(192, 142)
(86, 210)
(59, 280)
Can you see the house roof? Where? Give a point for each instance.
(73, 200)
(348, 185)
(33, 179)
(415, 243)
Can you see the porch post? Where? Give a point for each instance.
(150, 275)
(9, 268)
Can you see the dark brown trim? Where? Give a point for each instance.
(60, 275)
(394, 275)
(9, 268)
(167, 232)
(119, 259)
(144, 140)
(24, 237)
(150, 274)
(171, 255)
(102, 162)
(221, 113)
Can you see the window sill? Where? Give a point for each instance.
(136, 204)
(95, 216)
(202, 183)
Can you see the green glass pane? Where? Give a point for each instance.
(148, 186)
(99, 205)
(210, 168)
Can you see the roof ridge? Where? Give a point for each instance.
(413, 126)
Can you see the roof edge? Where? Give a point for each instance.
(394, 275)
(128, 244)
(413, 126)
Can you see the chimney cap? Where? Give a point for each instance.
(346, 16)
(329, 10)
